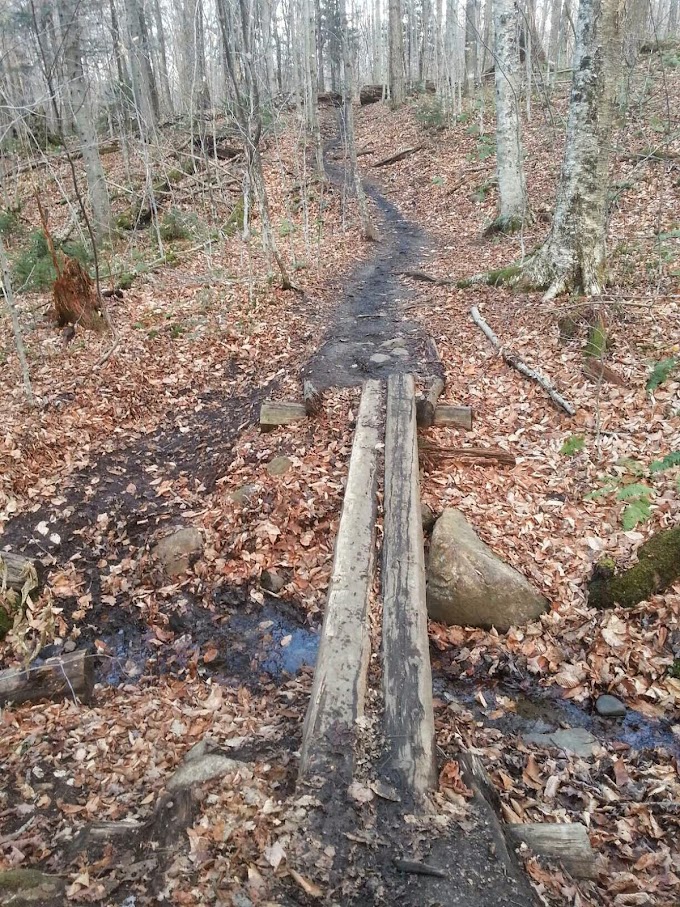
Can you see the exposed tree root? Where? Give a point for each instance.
(541, 271)
(504, 225)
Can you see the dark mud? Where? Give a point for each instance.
(370, 320)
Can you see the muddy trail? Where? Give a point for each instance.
(370, 336)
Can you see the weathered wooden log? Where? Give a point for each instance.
(445, 414)
(427, 404)
(567, 844)
(371, 94)
(516, 363)
(68, 675)
(657, 568)
(428, 278)
(339, 686)
(313, 398)
(397, 156)
(407, 676)
(495, 454)
(329, 98)
(16, 570)
(274, 413)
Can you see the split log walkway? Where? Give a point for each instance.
(476, 868)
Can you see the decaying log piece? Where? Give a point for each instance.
(407, 675)
(329, 98)
(597, 370)
(339, 686)
(497, 454)
(568, 844)
(428, 278)
(427, 404)
(69, 675)
(445, 414)
(371, 94)
(274, 413)
(313, 398)
(521, 367)
(398, 156)
(16, 570)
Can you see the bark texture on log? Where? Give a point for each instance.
(407, 675)
(445, 414)
(69, 675)
(397, 156)
(313, 398)
(339, 686)
(427, 405)
(16, 570)
(657, 568)
(521, 367)
(568, 843)
(274, 413)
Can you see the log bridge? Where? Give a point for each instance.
(333, 755)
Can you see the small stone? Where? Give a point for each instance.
(70, 645)
(400, 353)
(610, 707)
(176, 552)
(271, 581)
(380, 359)
(393, 344)
(204, 768)
(278, 466)
(576, 740)
(243, 494)
(429, 517)
(23, 887)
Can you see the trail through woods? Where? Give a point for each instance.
(164, 434)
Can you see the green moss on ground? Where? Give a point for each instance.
(658, 566)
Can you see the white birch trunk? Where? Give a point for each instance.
(511, 188)
(573, 256)
(83, 118)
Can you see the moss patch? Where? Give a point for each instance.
(658, 566)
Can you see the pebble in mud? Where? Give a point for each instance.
(610, 707)
(380, 359)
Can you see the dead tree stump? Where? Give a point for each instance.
(76, 300)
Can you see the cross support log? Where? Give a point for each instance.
(340, 678)
(274, 413)
(407, 675)
(67, 676)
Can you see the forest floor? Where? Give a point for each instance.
(164, 433)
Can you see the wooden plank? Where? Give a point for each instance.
(568, 844)
(407, 676)
(339, 686)
(67, 676)
(275, 413)
(426, 407)
(445, 414)
(17, 570)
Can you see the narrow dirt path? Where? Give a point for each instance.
(369, 336)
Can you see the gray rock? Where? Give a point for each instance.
(271, 581)
(279, 466)
(428, 515)
(394, 343)
(176, 552)
(243, 494)
(575, 740)
(21, 887)
(198, 769)
(400, 353)
(380, 359)
(468, 585)
(610, 707)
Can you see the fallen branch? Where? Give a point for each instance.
(468, 453)
(398, 156)
(520, 366)
(428, 278)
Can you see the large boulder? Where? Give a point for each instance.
(469, 586)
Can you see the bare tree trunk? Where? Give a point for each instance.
(14, 318)
(573, 255)
(396, 54)
(77, 92)
(511, 187)
(471, 28)
(143, 80)
(310, 72)
(554, 41)
(162, 56)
